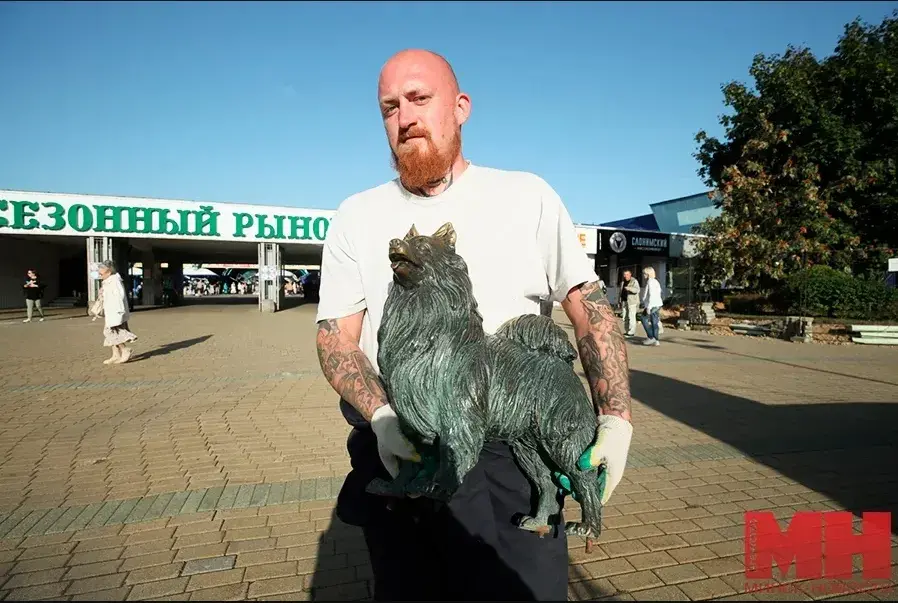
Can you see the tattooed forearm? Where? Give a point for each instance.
(348, 370)
(603, 354)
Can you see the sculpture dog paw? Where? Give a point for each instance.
(414, 479)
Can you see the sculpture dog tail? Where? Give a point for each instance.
(570, 417)
(540, 334)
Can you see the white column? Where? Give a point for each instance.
(151, 293)
(99, 249)
(270, 276)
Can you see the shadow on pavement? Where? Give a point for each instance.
(170, 347)
(585, 587)
(438, 560)
(219, 300)
(50, 314)
(790, 364)
(845, 450)
(343, 570)
(210, 301)
(194, 301)
(709, 346)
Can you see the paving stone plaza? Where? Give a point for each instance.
(207, 467)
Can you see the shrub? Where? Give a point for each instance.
(749, 303)
(823, 291)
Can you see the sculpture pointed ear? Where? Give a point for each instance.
(413, 232)
(447, 233)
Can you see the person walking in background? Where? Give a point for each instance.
(629, 296)
(34, 290)
(116, 314)
(651, 301)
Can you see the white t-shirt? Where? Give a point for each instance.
(513, 231)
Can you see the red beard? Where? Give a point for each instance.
(422, 167)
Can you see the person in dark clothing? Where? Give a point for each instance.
(469, 550)
(34, 291)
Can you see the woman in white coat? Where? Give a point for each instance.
(652, 303)
(116, 314)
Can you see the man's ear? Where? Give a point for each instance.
(462, 108)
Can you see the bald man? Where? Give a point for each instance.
(520, 246)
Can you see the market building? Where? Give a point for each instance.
(664, 239)
(65, 236)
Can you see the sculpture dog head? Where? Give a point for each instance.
(431, 290)
(417, 259)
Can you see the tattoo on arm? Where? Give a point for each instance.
(603, 354)
(348, 370)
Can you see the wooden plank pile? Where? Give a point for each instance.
(874, 334)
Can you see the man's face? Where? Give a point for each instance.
(627, 275)
(423, 114)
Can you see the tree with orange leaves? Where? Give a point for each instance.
(806, 173)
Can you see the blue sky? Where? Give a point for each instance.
(274, 103)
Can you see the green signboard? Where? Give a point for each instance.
(73, 215)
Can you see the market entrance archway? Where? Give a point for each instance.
(157, 232)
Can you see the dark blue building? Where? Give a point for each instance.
(663, 239)
(679, 216)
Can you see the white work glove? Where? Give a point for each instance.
(392, 445)
(611, 448)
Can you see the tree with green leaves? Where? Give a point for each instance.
(806, 172)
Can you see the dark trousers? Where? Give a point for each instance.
(469, 549)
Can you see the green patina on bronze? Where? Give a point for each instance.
(454, 387)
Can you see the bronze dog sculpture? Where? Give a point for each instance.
(454, 387)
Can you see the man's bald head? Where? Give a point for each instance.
(423, 111)
(426, 61)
